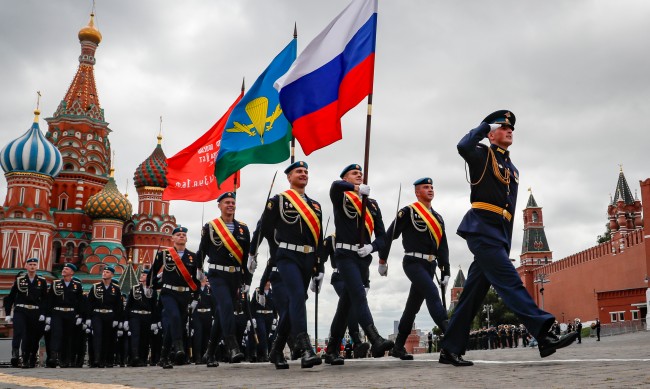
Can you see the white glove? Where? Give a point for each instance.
(154, 327)
(245, 288)
(119, 325)
(365, 250)
(129, 333)
(248, 325)
(367, 290)
(254, 323)
(78, 321)
(115, 323)
(273, 327)
(252, 263)
(47, 327)
(48, 320)
(160, 325)
(8, 319)
(364, 190)
(193, 304)
(126, 326)
(494, 126)
(84, 326)
(316, 283)
(88, 330)
(383, 269)
(88, 322)
(41, 318)
(261, 299)
(192, 332)
(445, 281)
(120, 333)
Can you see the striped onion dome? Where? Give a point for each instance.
(109, 203)
(31, 153)
(153, 171)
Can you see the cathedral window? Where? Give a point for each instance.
(22, 195)
(37, 197)
(38, 216)
(18, 215)
(63, 202)
(14, 256)
(69, 250)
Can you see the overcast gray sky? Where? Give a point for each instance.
(574, 73)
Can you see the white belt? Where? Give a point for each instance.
(274, 268)
(264, 311)
(335, 270)
(428, 257)
(202, 310)
(293, 247)
(142, 312)
(228, 269)
(28, 306)
(103, 310)
(63, 309)
(351, 247)
(176, 288)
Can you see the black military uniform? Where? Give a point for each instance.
(264, 316)
(227, 270)
(65, 305)
(28, 298)
(140, 311)
(175, 295)
(202, 322)
(105, 310)
(425, 246)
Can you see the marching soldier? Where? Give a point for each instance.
(202, 321)
(65, 302)
(226, 241)
(264, 313)
(487, 228)
(28, 297)
(353, 261)
(179, 281)
(297, 221)
(425, 247)
(105, 311)
(140, 312)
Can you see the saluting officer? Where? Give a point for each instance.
(226, 242)
(179, 281)
(297, 221)
(487, 228)
(425, 246)
(140, 312)
(27, 297)
(353, 261)
(105, 309)
(65, 300)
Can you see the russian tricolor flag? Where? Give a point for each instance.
(331, 76)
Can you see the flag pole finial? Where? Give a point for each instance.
(243, 84)
(295, 30)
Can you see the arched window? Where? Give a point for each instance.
(535, 217)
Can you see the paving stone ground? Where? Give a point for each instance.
(621, 361)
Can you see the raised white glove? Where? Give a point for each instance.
(48, 320)
(261, 299)
(126, 326)
(8, 319)
(115, 323)
(364, 190)
(78, 321)
(154, 327)
(316, 283)
(47, 327)
(383, 269)
(445, 281)
(365, 250)
(245, 288)
(120, 333)
(41, 318)
(494, 126)
(252, 263)
(119, 325)
(88, 322)
(193, 304)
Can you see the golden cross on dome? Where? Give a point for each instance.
(38, 99)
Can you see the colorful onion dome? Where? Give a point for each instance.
(153, 171)
(109, 203)
(90, 32)
(31, 153)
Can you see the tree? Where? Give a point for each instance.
(607, 236)
(500, 313)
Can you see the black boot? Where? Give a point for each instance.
(25, 364)
(180, 352)
(210, 361)
(15, 357)
(235, 355)
(379, 344)
(276, 356)
(360, 348)
(53, 360)
(309, 357)
(294, 348)
(332, 356)
(164, 359)
(398, 350)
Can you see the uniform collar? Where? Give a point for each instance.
(499, 150)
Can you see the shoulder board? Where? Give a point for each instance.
(241, 223)
(98, 283)
(75, 280)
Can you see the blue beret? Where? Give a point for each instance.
(423, 180)
(354, 166)
(71, 266)
(110, 269)
(179, 229)
(145, 271)
(227, 195)
(295, 165)
(30, 260)
(503, 117)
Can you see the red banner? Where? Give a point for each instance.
(190, 173)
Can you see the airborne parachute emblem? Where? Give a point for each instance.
(257, 110)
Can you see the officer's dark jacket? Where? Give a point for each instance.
(170, 274)
(268, 303)
(102, 297)
(28, 293)
(70, 296)
(138, 301)
(488, 189)
(205, 299)
(217, 253)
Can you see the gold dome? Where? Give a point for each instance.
(90, 32)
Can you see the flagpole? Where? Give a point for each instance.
(293, 138)
(366, 166)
